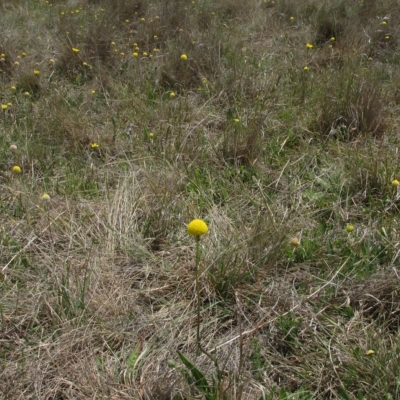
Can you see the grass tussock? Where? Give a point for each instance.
(273, 122)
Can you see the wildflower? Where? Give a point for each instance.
(9, 104)
(395, 182)
(13, 147)
(291, 18)
(36, 72)
(16, 62)
(369, 352)
(305, 68)
(151, 134)
(295, 242)
(112, 43)
(204, 80)
(384, 22)
(172, 95)
(184, 57)
(155, 37)
(387, 37)
(45, 196)
(93, 91)
(349, 228)
(85, 64)
(332, 39)
(94, 145)
(23, 54)
(27, 94)
(4, 107)
(13, 87)
(52, 60)
(127, 20)
(16, 169)
(75, 50)
(142, 19)
(144, 54)
(197, 227)
(236, 120)
(134, 54)
(309, 46)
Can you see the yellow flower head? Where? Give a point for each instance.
(36, 72)
(395, 182)
(291, 18)
(184, 57)
(236, 120)
(197, 227)
(305, 68)
(16, 169)
(309, 46)
(23, 54)
(4, 106)
(134, 54)
(172, 95)
(94, 145)
(13, 87)
(295, 242)
(52, 60)
(369, 352)
(45, 196)
(75, 50)
(151, 134)
(349, 228)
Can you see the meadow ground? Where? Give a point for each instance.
(276, 122)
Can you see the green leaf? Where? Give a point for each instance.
(343, 393)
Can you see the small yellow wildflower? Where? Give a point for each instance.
(134, 54)
(13, 87)
(94, 145)
(16, 169)
(172, 95)
(387, 37)
(384, 22)
(349, 228)
(204, 80)
(369, 352)
(236, 120)
(144, 54)
(85, 64)
(93, 91)
(305, 68)
(75, 50)
(395, 182)
(291, 18)
(9, 104)
(309, 46)
(112, 43)
(295, 242)
(16, 62)
(142, 19)
(27, 94)
(333, 38)
(36, 72)
(127, 20)
(23, 54)
(4, 107)
(45, 196)
(155, 37)
(184, 57)
(197, 227)
(151, 134)
(52, 60)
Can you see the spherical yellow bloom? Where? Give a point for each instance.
(291, 18)
(16, 169)
(27, 94)
(52, 60)
(75, 50)
(4, 106)
(197, 227)
(135, 54)
(309, 46)
(142, 19)
(85, 64)
(395, 182)
(45, 196)
(94, 145)
(295, 242)
(13, 87)
(236, 120)
(349, 228)
(184, 57)
(333, 38)
(93, 91)
(305, 68)
(23, 54)
(172, 95)
(36, 72)
(369, 352)
(151, 134)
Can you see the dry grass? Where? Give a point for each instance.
(97, 284)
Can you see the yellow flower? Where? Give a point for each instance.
(151, 134)
(384, 22)
(333, 38)
(23, 54)
(204, 80)
(395, 182)
(94, 145)
(127, 20)
(349, 228)
(52, 60)
(112, 43)
(295, 242)
(142, 19)
(13, 87)
(184, 57)
(144, 54)
(4, 106)
(369, 352)
(75, 50)
(45, 196)
(135, 54)
(172, 95)
(309, 46)
(291, 18)
(36, 72)
(236, 120)
(93, 91)
(197, 227)
(27, 94)
(16, 169)
(305, 68)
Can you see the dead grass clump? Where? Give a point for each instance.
(353, 108)
(28, 82)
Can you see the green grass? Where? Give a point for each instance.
(97, 284)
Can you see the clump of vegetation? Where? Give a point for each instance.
(275, 122)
